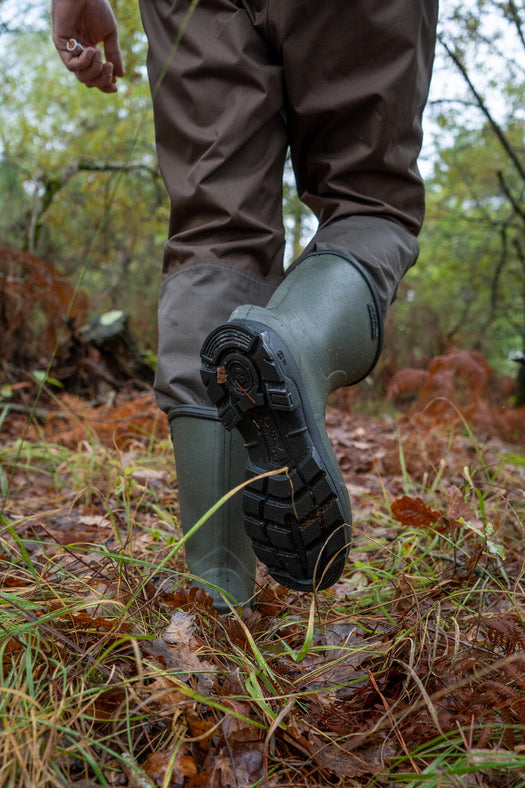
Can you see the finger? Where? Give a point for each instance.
(113, 54)
(87, 61)
(89, 67)
(105, 81)
(92, 72)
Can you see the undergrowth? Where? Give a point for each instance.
(115, 670)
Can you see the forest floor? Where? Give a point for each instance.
(116, 671)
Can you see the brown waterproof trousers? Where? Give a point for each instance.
(340, 83)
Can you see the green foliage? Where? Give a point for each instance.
(80, 169)
(470, 263)
(83, 189)
(469, 282)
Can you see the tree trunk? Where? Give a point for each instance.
(520, 393)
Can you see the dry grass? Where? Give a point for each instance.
(115, 671)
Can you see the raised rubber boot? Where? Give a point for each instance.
(269, 372)
(209, 463)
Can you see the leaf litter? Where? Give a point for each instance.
(116, 671)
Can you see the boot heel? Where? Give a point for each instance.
(231, 379)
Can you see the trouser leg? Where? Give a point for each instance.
(384, 248)
(355, 134)
(356, 76)
(221, 138)
(221, 141)
(192, 301)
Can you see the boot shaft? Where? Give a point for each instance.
(327, 312)
(209, 463)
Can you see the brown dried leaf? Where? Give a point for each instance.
(238, 768)
(180, 629)
(238, 731)
(194, 599)
(403, 594)
(164, 695)
(182, 766)
(345, 764)
(457, 506)
(203, 730)
(177, 648)
(414, 512)
(85, 622)
(475, 556)
(110, 702)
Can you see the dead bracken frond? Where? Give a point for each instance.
(457, 386)
(36, 301)
(120, 423)
(506, 632)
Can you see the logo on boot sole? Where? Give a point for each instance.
(272, 439)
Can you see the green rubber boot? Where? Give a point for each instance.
(269, 372)
(209, 463)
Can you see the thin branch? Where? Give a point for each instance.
(514, 15)
(108, 166)
(497, 273)
(518, 209)
(485, 110)
(52, 185)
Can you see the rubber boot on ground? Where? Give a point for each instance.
(209, 463)
(269, 371)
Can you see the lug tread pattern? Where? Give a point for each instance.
(295, 520)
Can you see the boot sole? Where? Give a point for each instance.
(298, 521)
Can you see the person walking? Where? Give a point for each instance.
(248, 353)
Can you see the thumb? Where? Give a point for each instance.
(113, 54)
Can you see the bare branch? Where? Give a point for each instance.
(514, 15)
(497, 274)
(108, 166)
(517, 208)
(498, 131)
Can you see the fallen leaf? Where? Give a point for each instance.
(181, 766)
(344, 764)
(414, 512)
(457, 506)
(174, 648)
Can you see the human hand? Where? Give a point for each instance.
(90, 22)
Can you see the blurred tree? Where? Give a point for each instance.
(78, 169)
(79, 183)
(470, 279)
